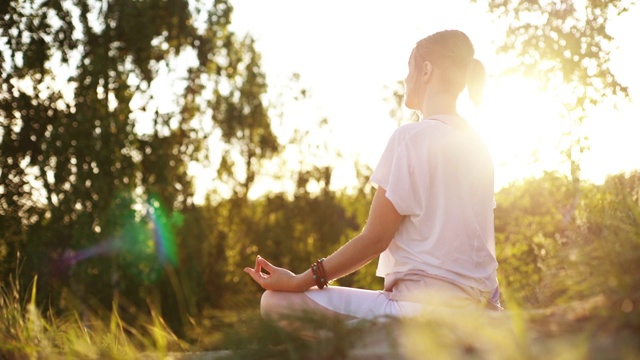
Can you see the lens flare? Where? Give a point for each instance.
(163, 231)
(144, 244)
(71, 257)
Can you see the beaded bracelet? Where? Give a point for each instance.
(319, 275)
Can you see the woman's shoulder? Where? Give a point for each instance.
(422, 129)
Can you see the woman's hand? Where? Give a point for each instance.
(383, 222)
(275, 278)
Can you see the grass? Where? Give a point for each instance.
(26, 334)
(579, 330)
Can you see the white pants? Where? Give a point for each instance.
(362, 304)
(407, 298)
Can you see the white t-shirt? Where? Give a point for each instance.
(439, 173)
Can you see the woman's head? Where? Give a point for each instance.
(447, 58)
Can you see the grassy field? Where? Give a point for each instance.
(581, 330)
(591, 329)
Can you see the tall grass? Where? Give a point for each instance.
(25, 333)
(557, 333)
(570, 332)
(437, 334)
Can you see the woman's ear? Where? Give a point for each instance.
(427, 71)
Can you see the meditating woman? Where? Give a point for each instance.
(431, 218)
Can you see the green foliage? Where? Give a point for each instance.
(358, 204)
(94, 151)
(243, 122)
(290, 232)
(603, 256)
(530, 218)
(548, 257)
(90, 138)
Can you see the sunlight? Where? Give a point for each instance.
(522, 127)
(613, 141)
(521, 124)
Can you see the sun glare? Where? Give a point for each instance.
(522, 126)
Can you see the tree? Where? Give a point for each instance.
(566, 47)
(91, 154)
(244, 122)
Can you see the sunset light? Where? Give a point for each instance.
(349, 74)
(242, 179)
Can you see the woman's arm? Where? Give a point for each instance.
(382, 224)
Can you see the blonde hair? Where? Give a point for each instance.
(452, 51)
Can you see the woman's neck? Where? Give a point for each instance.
(439, 104)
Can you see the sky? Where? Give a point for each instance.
(350, 53)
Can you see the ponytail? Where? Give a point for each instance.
(452, 51)
(476, 78)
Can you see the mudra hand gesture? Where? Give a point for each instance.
(275, 278)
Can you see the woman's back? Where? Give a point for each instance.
(439, 174)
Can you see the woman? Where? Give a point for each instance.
(431, 218)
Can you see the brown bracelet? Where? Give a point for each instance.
(319, 275)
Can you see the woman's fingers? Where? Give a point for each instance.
(256, 276)
(265, 264)
(256, 272)
(270, 277)
(257, 266)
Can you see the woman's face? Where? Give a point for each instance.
(414, 86)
